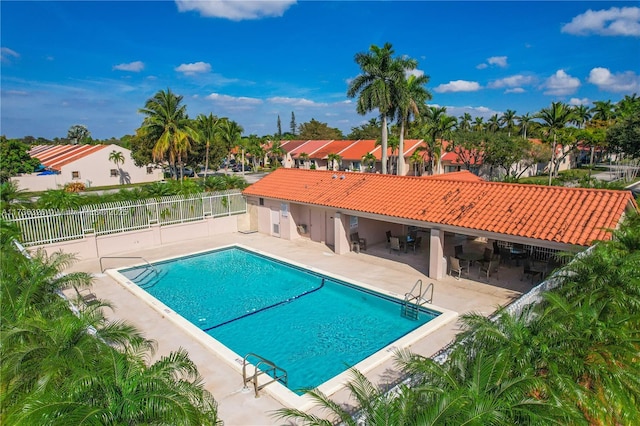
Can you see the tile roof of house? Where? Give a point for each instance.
(60, 155)
(356, 151)
(308, 147)
(572, 216)
(334, 147)
(462, 176)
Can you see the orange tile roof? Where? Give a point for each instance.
(461, 176)
(356, 151)
(308, 147)
(289, 146)
(334, 147)
(60, 155)
(573, 216)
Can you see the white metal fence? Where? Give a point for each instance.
(50, 226)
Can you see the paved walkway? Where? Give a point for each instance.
(395, 273)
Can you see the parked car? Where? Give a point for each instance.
(186, 172)
(239, 167)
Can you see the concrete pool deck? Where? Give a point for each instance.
(376, 267)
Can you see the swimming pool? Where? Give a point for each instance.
(309, 323)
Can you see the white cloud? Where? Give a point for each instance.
(136, 66)
(515, 90)
(512, 81)
(499, 61)
(7, 54)
(458, 86)
(561, 83)
(612, 22)
(194, 68)
(237, 101)
(301, 102)
(236, 10)
(622, 82)
(578, 101)
(417, 73)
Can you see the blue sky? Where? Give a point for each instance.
(97, 62)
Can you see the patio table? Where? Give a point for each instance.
(470, 257)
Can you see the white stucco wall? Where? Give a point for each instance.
(93, 170)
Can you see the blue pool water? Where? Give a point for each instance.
(313, 326)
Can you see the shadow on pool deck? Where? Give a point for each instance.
(394, 273)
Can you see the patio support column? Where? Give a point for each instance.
(341, 243)
(437, 269)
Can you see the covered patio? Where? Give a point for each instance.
(456, 216)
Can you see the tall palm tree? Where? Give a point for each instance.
(412, 96)
(166, 122)
(376, 86)
(507, 119)
(554, 118)
(117, 157)
(436, 124)
(465, 122)
(493, 124)
(523, 121)
(478, 124)
(602, 111)
(208, 127)
(581, 115)
(230, 134)
(275, 153)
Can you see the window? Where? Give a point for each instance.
(262, 201)
(114, 172)
(75, 175)
(355, 165)
(284, 209)
(149, 170)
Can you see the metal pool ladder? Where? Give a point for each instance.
(413, 301)
(278, 374)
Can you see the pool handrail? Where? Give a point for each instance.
(258, 372)
(127, 257)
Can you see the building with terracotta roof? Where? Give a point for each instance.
(88, 164)
(328, 206)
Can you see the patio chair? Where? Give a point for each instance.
(455, 266)
(86, 296)
(394, 244)
(530, 271)
(487, 268)
(358, 243)
(388, 234)
(415, 244)
(487, 256)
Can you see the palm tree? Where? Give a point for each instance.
(208, 127)
(508, 120)
(117, 158)
(13, 198)
(275, 153)
(465, 122)
(166, 122)
(378, 408)
(334, 159)
(377, 85)
(478, 124)
(230, 135)
(602, 111)
(554, 118)
(523, 122)
(493, 124)
(369, 160)
(59, 199)
(417, 159)
(304, 157)
(581, 115)
(436, 124)
(412, 96)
